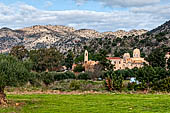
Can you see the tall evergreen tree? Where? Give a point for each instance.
(69, 59)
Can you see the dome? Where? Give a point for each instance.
(136, 53)
(136, 50)
(126, 55)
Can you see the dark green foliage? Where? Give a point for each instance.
(114, 44)
(131, 86)
(79, 68)
(118, 40)
(69, 75)
(19, 52)
(119, 52)
(35, 79)
(12, 72)
(168, 63)
(28, 64)
(162, 85)
(126, 73)
(69, 60)
(113, 81)
(51, 77)
(47, 78)
(149, 75)
(79, 59)
(83, 76)
(157, 58)
(104, 62)
(46, 59)
(62, 76)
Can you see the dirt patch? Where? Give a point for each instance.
(54, 92)
(11, 103)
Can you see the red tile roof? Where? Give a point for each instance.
(113, 58)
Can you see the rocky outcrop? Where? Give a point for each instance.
(122, 33)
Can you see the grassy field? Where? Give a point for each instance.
(88, 103)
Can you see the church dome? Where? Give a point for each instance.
(126, 55)
(136, 53)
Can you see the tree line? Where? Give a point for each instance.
(21, 66)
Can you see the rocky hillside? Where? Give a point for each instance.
(165, 28)
(62, 37)
(158, 37)
(67, 38)
(122, 33)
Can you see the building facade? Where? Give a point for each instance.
(127, 61)
(89, 64)
(119, 63)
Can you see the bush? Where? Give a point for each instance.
(70, 75)
(149, 75)
(131, 86)
(49, 77)
(83, 76)
(81, 85)
(74, 85)
(113, 81)
(162, 85)
(136, 87)
(62, 76)
(35, 79)
(79, 68)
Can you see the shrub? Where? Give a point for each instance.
(134, 86)
(62, 76)
(35, 79)
(113, 81)
(74, 85)
(162, 85)
(50, 77)
(70, 75)
(79, 68)
(81, 85)
(149, 75)
(83, 76)
(47, 78)
(131, 86)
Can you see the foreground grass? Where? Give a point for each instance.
(89, 103)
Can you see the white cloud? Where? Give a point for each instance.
(122, 3)
(24, 15)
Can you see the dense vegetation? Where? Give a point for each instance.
(44, 67)
(12, 73)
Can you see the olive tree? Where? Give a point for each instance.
(46, 59)
(12, 73)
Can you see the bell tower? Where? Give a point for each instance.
(86, 56)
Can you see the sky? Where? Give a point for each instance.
(101, 15)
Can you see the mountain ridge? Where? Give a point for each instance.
(68, 38)
(40, 36)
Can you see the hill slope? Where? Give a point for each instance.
(61, 37)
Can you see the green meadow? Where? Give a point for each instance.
(88, 103)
